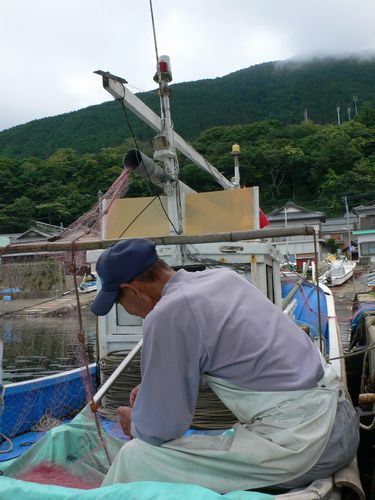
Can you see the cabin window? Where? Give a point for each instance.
(125, 319)
(368, 222)
(368, 248)
(270, 284)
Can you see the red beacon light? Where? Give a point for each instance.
(164, 69)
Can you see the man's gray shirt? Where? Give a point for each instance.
(214, 322)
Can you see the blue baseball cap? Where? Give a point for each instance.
(121, 263)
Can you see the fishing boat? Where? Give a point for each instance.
(361, 382)
(201, 230)
(370, 279)
(340, 271)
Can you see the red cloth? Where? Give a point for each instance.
(263, 220)
(50, 473)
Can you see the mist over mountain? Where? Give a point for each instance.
(281, 91)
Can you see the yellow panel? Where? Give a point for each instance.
(151, 222)
(219, 211)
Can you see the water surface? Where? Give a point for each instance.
(37, 346)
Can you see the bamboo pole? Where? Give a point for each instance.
(60, 246)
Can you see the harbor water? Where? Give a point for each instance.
(35, 346)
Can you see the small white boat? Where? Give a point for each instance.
(339, 272)
(89, 283)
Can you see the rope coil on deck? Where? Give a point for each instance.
(210, 412)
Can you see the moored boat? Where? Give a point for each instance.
(89, 283)
(340, 271)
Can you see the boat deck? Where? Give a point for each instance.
(344, 296)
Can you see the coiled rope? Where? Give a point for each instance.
(210, 412)
(46, 422)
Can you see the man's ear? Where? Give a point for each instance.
(134, 286)
(125, 285)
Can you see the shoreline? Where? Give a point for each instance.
(52, 306)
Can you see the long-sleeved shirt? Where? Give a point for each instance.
(218, 323)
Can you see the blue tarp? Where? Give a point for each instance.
(307, 307)
(359, 314)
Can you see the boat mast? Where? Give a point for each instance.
(166, 142)
(165, 150)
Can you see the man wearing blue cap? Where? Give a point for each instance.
(120, 268)
(295, 423)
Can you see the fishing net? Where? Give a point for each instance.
(49, 356)
(70, 455)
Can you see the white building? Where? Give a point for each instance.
(297, 249)
(366, 232)
(340, 229)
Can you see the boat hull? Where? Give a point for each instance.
(58, 396)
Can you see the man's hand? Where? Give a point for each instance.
(125, 419)
(133, 395)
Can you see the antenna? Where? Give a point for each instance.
(155, 41)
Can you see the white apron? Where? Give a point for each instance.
(280, 436)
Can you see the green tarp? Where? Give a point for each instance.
(77, 448)
(144, 490)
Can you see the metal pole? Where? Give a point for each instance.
(236, 151)
(286, 237)
(318, 297)
(348, 224)
(124, 363)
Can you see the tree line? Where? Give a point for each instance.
(313, 165)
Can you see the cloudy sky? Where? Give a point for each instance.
(50, 48)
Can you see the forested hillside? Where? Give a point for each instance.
(314, 165)
(53, 169)
(280, 91)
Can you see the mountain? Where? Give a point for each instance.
(275, 90)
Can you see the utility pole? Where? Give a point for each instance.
(345, 200)
(349, 110)
(286, 237)
(338, 114)
(305, 117)
(355, 99)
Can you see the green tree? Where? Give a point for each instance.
(332, 245)
(19, 214)
(52, 212)
(367, 114)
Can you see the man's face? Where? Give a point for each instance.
(134, 301)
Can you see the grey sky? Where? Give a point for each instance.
(49, 48)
